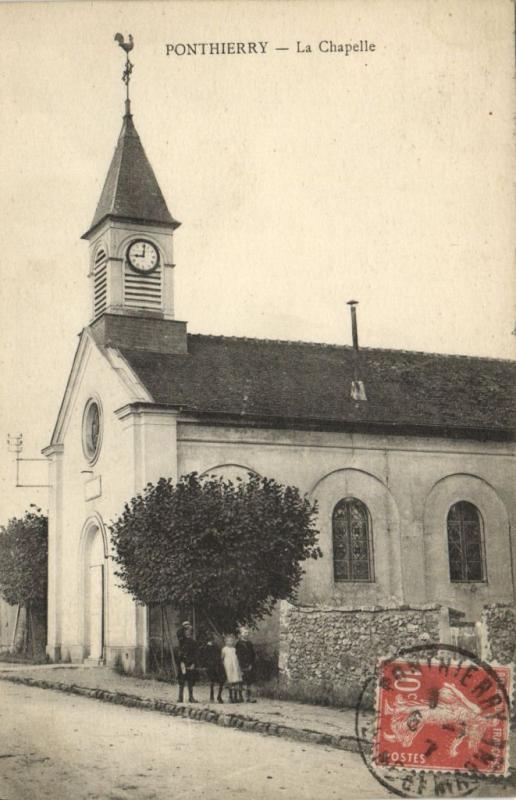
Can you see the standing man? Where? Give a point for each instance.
(246, 659)
(188, 663)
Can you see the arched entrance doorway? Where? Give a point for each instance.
(94, 594)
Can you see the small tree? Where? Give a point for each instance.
(232, 550)
(23, 563)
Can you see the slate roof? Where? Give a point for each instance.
(302, 384)
(131, 191)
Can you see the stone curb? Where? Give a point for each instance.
(197, 712)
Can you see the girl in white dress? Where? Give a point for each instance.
(232, 669)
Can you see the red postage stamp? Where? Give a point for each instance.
(443, 714)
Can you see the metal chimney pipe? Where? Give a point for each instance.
(354, 328)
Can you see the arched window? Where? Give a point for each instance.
(352, 552)
(465, 546)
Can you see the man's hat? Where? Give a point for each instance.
(187, 624)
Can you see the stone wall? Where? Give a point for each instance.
(499, 633)
(339, 647)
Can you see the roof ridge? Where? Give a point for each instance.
(333, 346)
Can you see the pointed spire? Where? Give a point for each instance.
(131, 191)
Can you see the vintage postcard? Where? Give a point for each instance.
(257, 530)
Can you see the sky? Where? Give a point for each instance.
(302, 178)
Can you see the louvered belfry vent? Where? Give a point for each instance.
(142, 291)
(100, 283)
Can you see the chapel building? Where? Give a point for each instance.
(409, 455)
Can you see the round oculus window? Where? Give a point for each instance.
(91, 430)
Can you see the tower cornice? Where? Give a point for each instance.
(90, 233)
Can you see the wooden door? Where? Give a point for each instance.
(96, 621)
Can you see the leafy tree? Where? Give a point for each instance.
(23, 573)
(23, 559)
(231, 550)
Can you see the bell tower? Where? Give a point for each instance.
(131, 253)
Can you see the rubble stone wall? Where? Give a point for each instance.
(339, 647)
(499, 633)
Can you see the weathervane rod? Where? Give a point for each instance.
(126, 75)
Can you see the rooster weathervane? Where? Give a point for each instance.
(126, 75)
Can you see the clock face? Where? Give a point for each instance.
(142, 256)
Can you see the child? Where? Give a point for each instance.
(232, 669)
(246, 658)
(212, 662)
(188, 662)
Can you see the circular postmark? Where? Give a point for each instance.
(440, 724)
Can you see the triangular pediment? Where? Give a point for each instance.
(91, 357)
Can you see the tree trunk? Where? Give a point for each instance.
(162, 646)
(212, 624)
(31, 631)
(171, 645)
(20, 633)
(15, 629)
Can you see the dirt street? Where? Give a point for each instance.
(60, 747)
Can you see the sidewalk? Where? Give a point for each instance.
(328, 726)
(315, 724)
